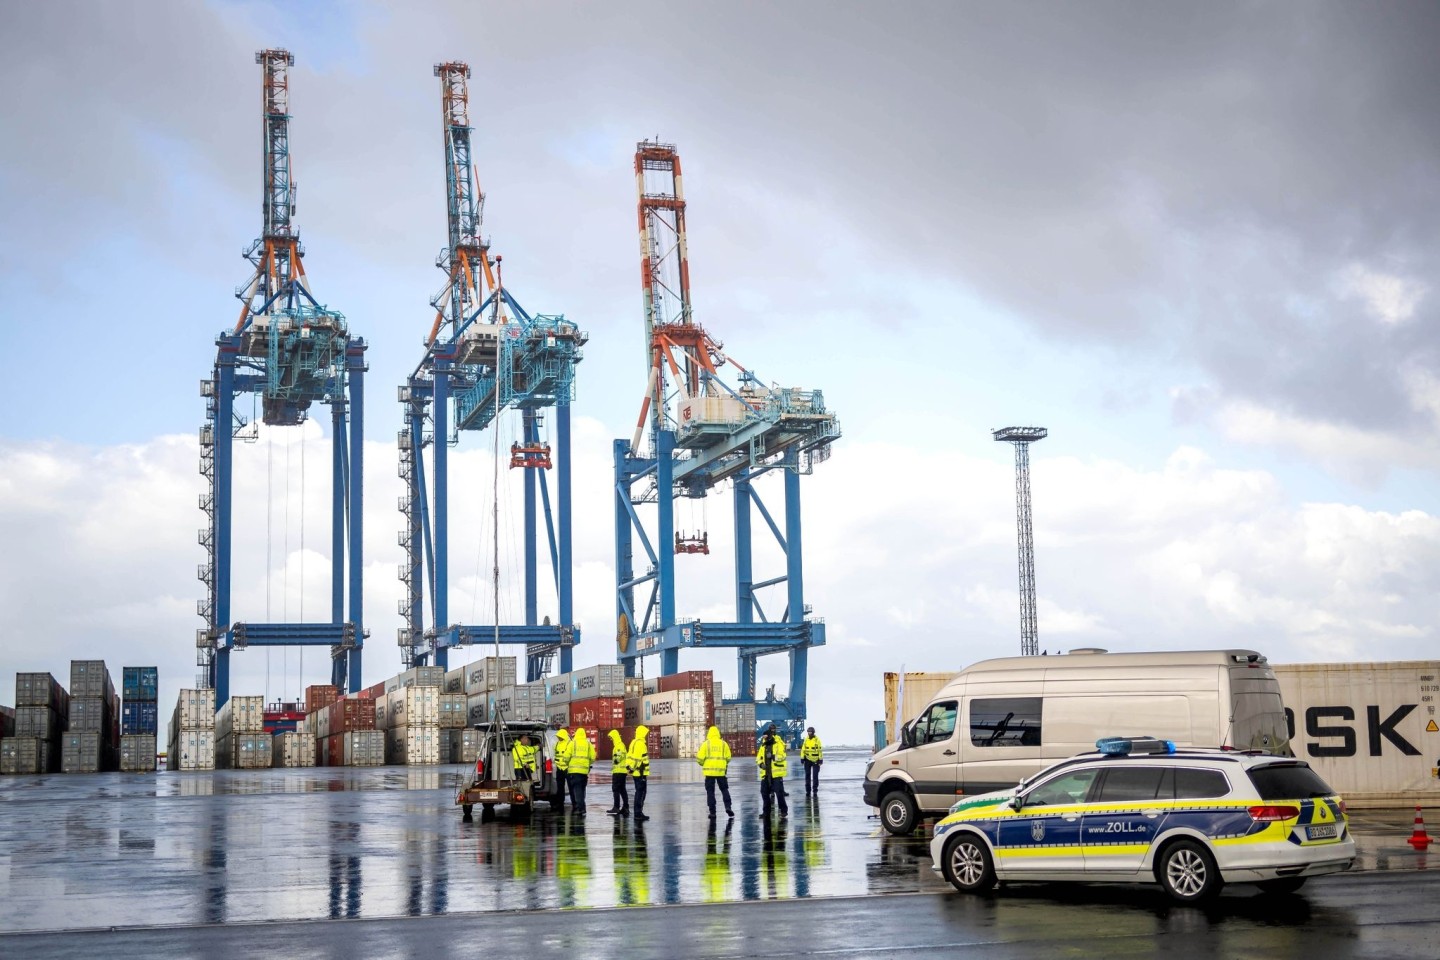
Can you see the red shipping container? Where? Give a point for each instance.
(352, 713)
(372, 693)
(320, 695)
(741, 744)
(598, 713)
(692, 680)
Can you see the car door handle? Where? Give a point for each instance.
(949, 753)
(1152, 814)
(1071, 817)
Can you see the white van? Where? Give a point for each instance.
(1000, 721)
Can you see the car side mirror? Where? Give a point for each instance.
(1016, 802)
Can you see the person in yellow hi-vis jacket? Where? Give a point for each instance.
(770, 758)
(639, 754)
(563, 749)
(582, 754)
(812, 754)
(619, 770)
(714, 758)
(522, 755)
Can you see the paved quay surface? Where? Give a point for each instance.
(246, 857)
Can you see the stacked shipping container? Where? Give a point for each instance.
(41, 708)
(91, 742)
(292, 749)
(410, 717)
(241, 742)
(139, 718)
(191, 740)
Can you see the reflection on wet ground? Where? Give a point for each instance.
(128, 850)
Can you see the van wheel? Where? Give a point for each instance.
(898, 812)
(968, 864)
(1281, 885)
(1188, 873)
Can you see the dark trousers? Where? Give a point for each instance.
(812, 776)
(642, 784)
(774, 786)
(724, 784)
(562, 785)
(577, 791)
(621, 799)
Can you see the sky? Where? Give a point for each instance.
(1197, 243)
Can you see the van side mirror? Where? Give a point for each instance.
(907, 736)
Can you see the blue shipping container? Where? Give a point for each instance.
(139, 716)
(141, 683)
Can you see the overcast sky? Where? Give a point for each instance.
(1198, 243)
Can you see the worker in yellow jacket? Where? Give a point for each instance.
(770, 758)
(522, 756)
(812, 754)
(714, 758)
(563, 749)
(582, 754)
(639, 754)
(619, 770)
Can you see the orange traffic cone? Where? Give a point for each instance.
(1419, 839)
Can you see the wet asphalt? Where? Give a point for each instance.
(169, 862)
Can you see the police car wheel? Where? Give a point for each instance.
(1282, 885)
(968, 865)
(898, 812)
(1188, 873)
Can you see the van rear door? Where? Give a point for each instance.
(932, 760)
(1257, 714)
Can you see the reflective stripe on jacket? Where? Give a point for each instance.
(523, 757)
(563, 749)
(775, 747)
(619, 763)
(714, 754)
(582, 752)
(639, 753)
(812, 750)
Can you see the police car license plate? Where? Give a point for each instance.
(1323, 831)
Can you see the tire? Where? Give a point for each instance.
(898, 812)
(968, 864)
(467, 808)
(1282, 885)
(1188, 873)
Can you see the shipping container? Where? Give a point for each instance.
(240, 715)
(140, 683)
(736, 718)
(28, 755)
(680, 742)
(692, 680)
(652, 739)
(602, 713)
(649, 685)
(1370, 730)
(89, 715)
(604, 680)
(408, 706)
(243, 751)
(42, 723)
(557, 690)
(519, 703)
(195, 710)
(558, 715)
(415, 746)
(675, 707)
(464, 745)
(7, 722)
(86, 752)
(373, 692)
(741, 744)
(137, 753)
(192, 750)
(140, 717)
(358, 748)
(40, 690)
(454, 681)
(422, 677)
(292, 750)
(634, 687)
(904, 700)
(90, 678)
(452, 711)
(489, 675)
(318, 696)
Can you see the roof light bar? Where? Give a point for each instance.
(1122, 746)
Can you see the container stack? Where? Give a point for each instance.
(191, 739)
(452, 727)
(345, 734)
(91, 742)
(737, 727)
(464, 745)
(410, 717)
(521, 702)
(483, 678)
(319, 696)
(292, 748)
(41, 709)
(241, 742)
(139, 718)
(679, 716)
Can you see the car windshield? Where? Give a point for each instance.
(1288, 781)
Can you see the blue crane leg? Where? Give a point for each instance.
(224, 420)
(665, 479)
(624, 545)
(441, 414)
(744, 577)
(357, 513)
(795, 584)
(337, 528)
(566, 580)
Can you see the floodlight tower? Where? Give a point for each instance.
(1022, 437)
(292, 351)
(702, 431)
(484, 353)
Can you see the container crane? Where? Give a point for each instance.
(703, 431)
(484, 353)
(291, 351)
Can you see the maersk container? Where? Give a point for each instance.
(137, 753)
(454, 681)
(682, 741)
(362, 748)
(139, 717)
(28, 755)
(1371, 730)
(489, 675)
(408, 706)
(241, 715)
(526, 702)
(605, 680)
(195, 710)
(291, 749)
(557, 690)
(413, 745)
(558, 714)
(84, 752)
(452, 710)
(42, 723)
(193, 750)
(90, 678)
(140, 683)
(675, 707)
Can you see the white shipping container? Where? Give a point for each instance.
(650, 685)
(408, 706)
(291, 749)
(677, 706)
(392, 684)
(241, 715)
(193, 749)
(477, 709)
(243, 751)
(137, 753)
(557, 690)
(422, 677)
(519, 703)
(363, 748)
(681, 742)
(413, 745)
(489, 675)
(604, 680)
(454, 681)
(1370, 730)
(453, 709)
(735, 717)
(195, 710)
(558, 714)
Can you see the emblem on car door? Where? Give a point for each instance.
(1037, 830)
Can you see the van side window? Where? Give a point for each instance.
(1005, 722)
(937, 723)
(1200, 784)
(1127, 784)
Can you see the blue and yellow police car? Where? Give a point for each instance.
(1141, 809)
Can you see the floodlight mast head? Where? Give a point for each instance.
(1020, 434)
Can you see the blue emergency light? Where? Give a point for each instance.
(1122, 746)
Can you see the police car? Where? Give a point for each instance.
(1137, 809)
